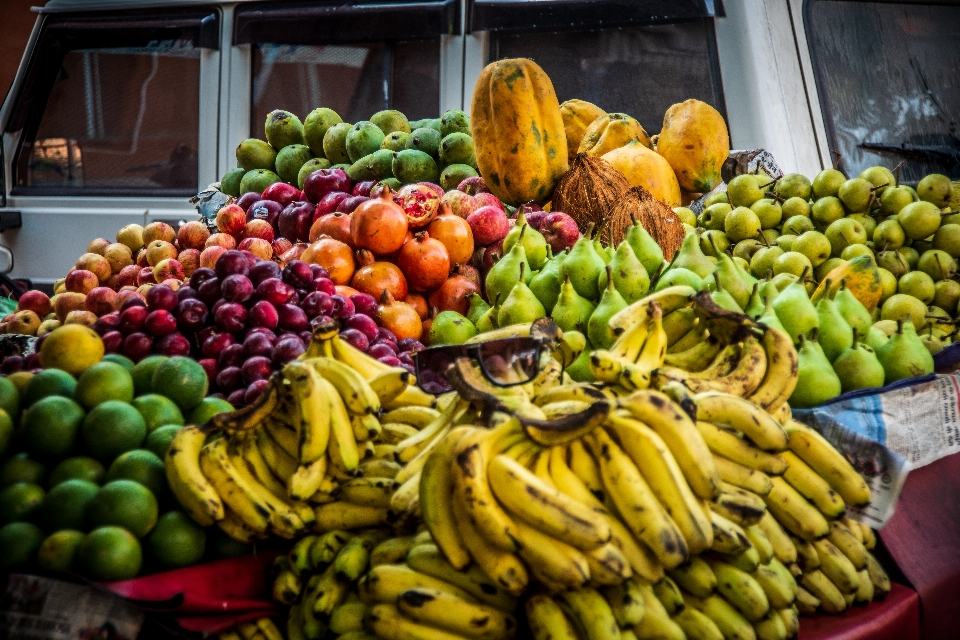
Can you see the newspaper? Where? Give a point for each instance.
(35, 608)
(738, 162)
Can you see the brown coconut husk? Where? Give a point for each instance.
(657, 218)
(589, 191)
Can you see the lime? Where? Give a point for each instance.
(80, 468)
(6, 432)
(124, 503)
(112, 428)
(20, 502)
(140, 466)
(58, 550)
(159, 439)
(20, 468)
(49, 382)
(223, 546)
(20, 380)
(157, 410)
(72, 347)
(177, 541)
(208, 408)
(182, 380)
(66, 504)
(109, 553)
(142, 373)
(123, 361)
(50, 427)
(9, 397)
(101, 382)
(19, 541)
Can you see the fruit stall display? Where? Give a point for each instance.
(649, 482)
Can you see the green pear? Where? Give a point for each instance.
(533, 242)
(487, 320)
(679, 276)
(827, 183)
(919, 219)
(601, 250)
(836, 335)
(762, 261)
(858, 367)
(478, 306)
(579, 369)
(933, 344)
(904, 354)
(629, 276)
(521, 306)
(728, 278)
(598, 326)
(546, 284)
(583, 267)
(769, 317)
(935, 188)
(769, 291)
(725, 300)
(648, 251)
(506, 272)
(755, 306)
(571, 308)
(794, 309)
(690, 257)
(876, 338)
(816, 380)
(852, 310)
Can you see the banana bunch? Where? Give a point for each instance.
(636, 353)
(261, 629)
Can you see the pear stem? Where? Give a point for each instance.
(838, 157)
(855, 332)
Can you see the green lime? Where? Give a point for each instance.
(6, 432)
(58, 550)
(101, 382)
(182, 380)
(79, 468)
(50, 427)
(20, 379)
(20, 502)
(49, 382)
(20, 468)
(177, 541)
(159, 439)
(66, 504)
(208, 408)
(19, 541)
(9, 397)
(142, 373)
(140, 466)
(123, 361)
(223, 546)
(112, 428)
(124, 503)
(157, 410)
(109, 553)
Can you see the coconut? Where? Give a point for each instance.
(589, 191)
(640, 206)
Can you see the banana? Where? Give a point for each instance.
(869, 536)
(777, 583)
(635, 502)
(326, 547)
(688, 341)
(441, 610)
(287, 587)
(352, 561)
(193, 491)
(412, 396)
(793, 511)
(836, 566)
(806, 602)
(331, 591)
(503, 567)
(284, 521)
(391, 551)
(760, 542)
(680, 435)
(253, 457)
(242, 499)
(606, 367)
(306, 481)
(298, 558)
(384, 584)
(355, 391)
(556, 410)
(374, 492)
(314, 410)
(879, 577)
(590, 613)
(389, 384)
(780, 379)
(678, 323)
(742, 476)
(410, 448)
(783, 548)
(663, 474)
(417, 417)
(313, 628)
(547, 620)
(696, 577)
(557, 561)
(630, 341)
(284, 436)
(365, 427)
(697, 357)
(625, 602)
(343, 444)
(585, 468)
(728, 537)
(608, 565)
(233, 526)
(251, 415)
(811, 486)
(436, 494)
(386, 622)
(343, 515)
(656, 624)
(579, 391)
(865, 591)
(747, 559)
(697, 626)
(280, 463)
(378, 468)
(782, 414)
(740, 414)
(820, 586)
(739, 506)
(654, 348)
(405, 501)
(741, 590)
(248, 630)
(725, 444)
(807, 557)
(427, 559)
(568, 421)
(668, 593)
(727, 619)
(814, 449)
(348, 617)
(269, 629)
(791, 621)
(745, 377)
(229, 635)
(669, 299)
(853, 528)
(771, 627)
(295, 623)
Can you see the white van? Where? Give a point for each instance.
(123, 109)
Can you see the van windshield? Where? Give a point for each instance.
(889, 83)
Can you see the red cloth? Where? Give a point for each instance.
(897, 617)
(923, 537)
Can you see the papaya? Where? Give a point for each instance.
(862, 280)
(577, 116)
(517, 131)
(695, 142)
(648, 169)
(612, 131)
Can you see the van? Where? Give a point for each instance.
(121, 110)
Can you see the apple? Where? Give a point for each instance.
(329, 203)
(131, 236)
(118, 255)
(86, 318)
(248, 199)
(210, 255)
(101, 301)
(36, 301)
(257, 228)
(258, 247)
(158, 231)
(146, 276)
(282, 193)
(488, 199)
(460, 204)
(96, 264)
(81, 281)
(488, 224)
(193, 235)
(98, 246)
(128, 275)
(159, 250)
(141, 259)
(281, 246)
(323, 181)
(169, 269)
(295, 220)
(473, 186)
(267, 210)
(127, 294)
(347, 205)
(294, 253)
(231, 219)
(224, 240)
(491, 254)
(67, 302)
(363, 188)
(190, 260)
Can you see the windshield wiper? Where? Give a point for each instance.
(929, 152)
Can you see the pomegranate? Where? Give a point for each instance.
(399, 317)
(425, 260)
(379, 225)
(334, 256)
(335, 225)
(378, 277)
(453, 295)
(420, 202)
(455, 234)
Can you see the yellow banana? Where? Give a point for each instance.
(374, 492)
(503, 567)
(688, 341)
(820, 586)
(728, 445)
(441, 610)
(697, 626)
(284, 521)
(814, 449)
(760, 542)
(625, 602)
(552, 558)
(744, 378)
(280, 463)
(740, 414)
(405, 501)
(386, 621)
(771, 627)
(355, 391)
(793, 511)
(777, 583)
(780, 379)
(656, 623)
(746, 559)
(343, 440)
(608, 565)
(314, 410)
(695, 576)
(728, 537)
(187, 481)
(384, 584)
(258, 466)
(240, 497)
(879, 578)
(727, 619)
(418, 417)
(585, 468)
(741, 590)
(791, 621)
(391, 551)
(389, 384)
(743, 476)
(579, 391)
(378, 468)
(678, 323)
(547, 620)
(629, 342)
(269, 629)
(853, 527)
(837, 567)
(668, 593)
(348, 617)
(781, 414)
(427, 559)
(811, 486)
(590, 613)
(783, 548)
(669, 299)
(697, 357)
(807, 557)
(233, 526)
(806, 603)
(287, 587)
(365, 427)
(285, 437)
(739, 506)
(343, 515)
(851, 547)
(306, 481)
(436, 494)
(410, 448)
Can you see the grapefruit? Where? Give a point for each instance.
(142, 373)
(157, 410)
(108, 554)
(177, 541)
(112, 428)
(101, 382)
(50, 427)
(124, 503)
(66, 504)
(71, 347)
(49, 382)
(140, 466)
(182, 380)
(80, 468)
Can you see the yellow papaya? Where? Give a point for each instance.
(862, 280)
(577, 116)
(518, 131)
(695, 141)
(648, 169)
(612, 131)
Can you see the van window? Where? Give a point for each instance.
(354, 79)
(889, 83)
(638, 70)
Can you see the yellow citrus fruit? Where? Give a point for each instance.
(20, 380)
(58, 550)
(109, 553)
(72, 347)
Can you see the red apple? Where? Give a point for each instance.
(224, 240)
(489, 200)
(473, 186)
(190, 259)
(101, 301)
(295, 220)
(81, 281)
(266, 210)
(96, 264)
(248, 199)
(559, 230)
(86, 318)
(231, 219)
(193, 235)
(158, 231)
(282, 193)
(125, 295)
(257, 228)
(329, 203)
(159, 250)
(128, 275)
(67, 302)
(488, 224)
(323, 181)
(169, 269)
(257, 246)
(146, 277)
(460, 203)
(36, 301)
(281, 246)
(347, 205)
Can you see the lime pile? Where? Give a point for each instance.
(82, 480)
